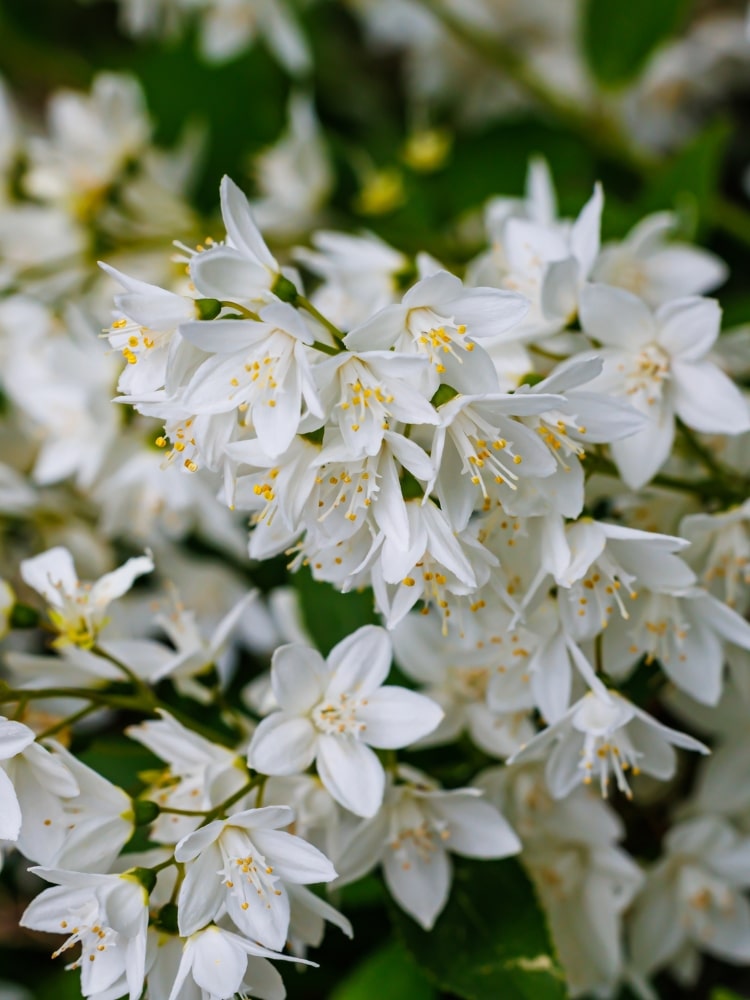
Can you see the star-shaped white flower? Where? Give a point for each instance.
(334, 711)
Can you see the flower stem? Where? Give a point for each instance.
(307, 305)
(247, 313)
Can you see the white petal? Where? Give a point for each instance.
(224, 274)
(707, 400)
(688, 327)
(202, 893)
(263, 980)
(420, 886)
(476, 828)
(396, 717)
(584, 237)
(488, 312)
(264, 818)
(298, 677)
(352, 774)
(293, 859)
(360, 663)
(195, 843)
(283, 744)
(616, 318)
(119, 581)
(10, 812)
(48, 571)
(241, 227)
(640, 456)
(225, 336)
(14, 737)
(218, 963)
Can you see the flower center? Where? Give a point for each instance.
(437, 336)
(338, 717)
(648, 374)
(86, 931)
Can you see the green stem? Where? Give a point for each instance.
(307, 305)
(544, 353)
(138, 683)
(326, 348)
(247, 313)
(226, 805)
(69, 720)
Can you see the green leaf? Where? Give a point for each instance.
(689, 182)
(329, 615)
(491, 940)
(389, 972)
(620, 35)
(722, 993)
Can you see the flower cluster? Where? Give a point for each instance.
(534, 463)
(443, 441)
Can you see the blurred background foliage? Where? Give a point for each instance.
(239, 109)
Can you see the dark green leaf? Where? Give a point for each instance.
(389, 972)
(689, 182)
(620, 35)
(329, 615)
(491, 940)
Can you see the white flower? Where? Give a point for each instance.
(258, 368)
(240, 865)
(584, 880)
(45, 789)
(546, 260)
(602, 735)
(481, 453)
(608, 566)
(442, 319)
(77, 610)
(93, 826)
(146, 330)
(657, 362)
(649, 264)
(364, 393)
(230, 26)
(440, 566)
(693, 900)
(720, 552)
(243, 269)
(201, 774)
(222, 964)
(107, 915)
(333, 711)
(480, 678)
(689, 632)
(412, 836)
(92, 138)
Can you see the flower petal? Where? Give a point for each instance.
(476, 829)
(707, 400)
(615, 317)
(293, 859)
(396, 717)
(360, 663)
(352, 774)
(298, 677)
(283, 744)
(420, 885)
